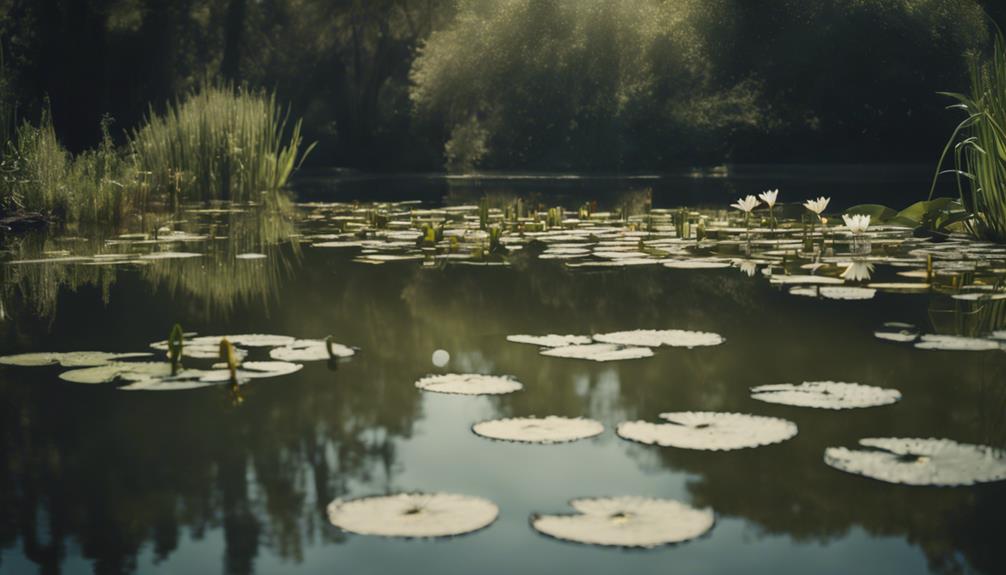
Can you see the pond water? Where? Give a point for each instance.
(96, 479)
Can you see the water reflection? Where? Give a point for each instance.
(105, 474)
(213, 283)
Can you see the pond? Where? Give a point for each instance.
(241, 478)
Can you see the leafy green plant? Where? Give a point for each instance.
(219, 144)
(979, 147)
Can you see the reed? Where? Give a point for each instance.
(979, 146)
(219, 143)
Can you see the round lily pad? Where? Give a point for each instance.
(665, 337)
(469, 384)
(914, 461)
(709, 430)
(551, 429)
(413, 515)
(550, 340)
(310, 350)
(627, 522)
(957, 343)
(599, 352)
(67, 358)
(826, 394)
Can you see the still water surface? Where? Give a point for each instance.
(104, 481)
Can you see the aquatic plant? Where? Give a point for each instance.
(176, 344)
(826, 395)
(709, 430)
(469, 384)
(769, 197)
(746, 205)
(915, 461)
(627, 522)
(857, 224)
(979, 146)
(219, 143)
(544, 430)
(414, 515)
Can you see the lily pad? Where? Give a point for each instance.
(551, 429)
(469, 384)
(137, 371)
(957, 343)
(67, 359)
(627, 522)
(657, 338)
(826, 395)
(310, 350)
(913, 461)
(413, 515)
(599, 352)
(550, 340)
(897, 332)
(709, 430)
(804, 280)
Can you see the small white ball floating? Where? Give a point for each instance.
(551, 429)
(664, 337)
(709, 430)
(913, 461)
(469, 384)
(440, 358)
(627, 522)
(67, 358)
(550, 340)
(413, 515)
(599, 352)
(826, 395)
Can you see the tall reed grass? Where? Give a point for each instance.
(979, 146)
(219, 144)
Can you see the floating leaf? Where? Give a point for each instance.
(550, 340)
(913, 461)
(551, 429)
(413, 515)
(957, 343)
(311, 350)
(599, 352)
(898, 332)
(627, 522)
(469, 384)
(708, 430)
(826, 395)
(67, 358)
(665, 337)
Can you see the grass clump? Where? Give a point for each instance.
(979, 146)
(219, 144)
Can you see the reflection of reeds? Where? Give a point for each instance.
(967, 318)
(218, 280)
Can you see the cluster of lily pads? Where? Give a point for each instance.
(629, 521)
(92, 367)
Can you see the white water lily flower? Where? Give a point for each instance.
(769, 197)
(817, 206)
(857, 224)
(746, 205)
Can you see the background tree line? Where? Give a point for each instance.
(518, 84)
